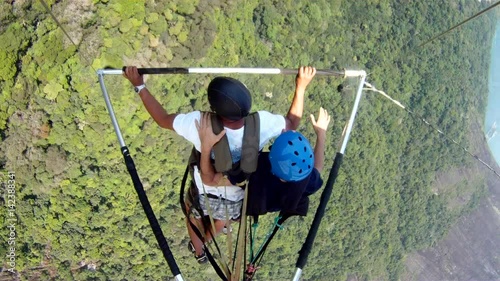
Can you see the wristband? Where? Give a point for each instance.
(139, 88)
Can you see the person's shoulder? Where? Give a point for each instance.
(270, 119)
(271, 125)
(265, 113)
(316, 177)
(192, 114)
(185, 121)
(314, 183)
(263, 175)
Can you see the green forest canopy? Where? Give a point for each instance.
(76, 204)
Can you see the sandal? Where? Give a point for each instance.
(190, 247)
(201, 258)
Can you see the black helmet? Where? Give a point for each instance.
(229, 98)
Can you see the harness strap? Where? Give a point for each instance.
(223, 159)
(253, 233)
(251, 143)
(241, 244)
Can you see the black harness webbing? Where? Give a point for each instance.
(210, 257)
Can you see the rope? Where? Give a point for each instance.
(276, 225)
(44, 4)
(255, 261)
(416, 116)
(240, 247)
(457, 25)
(214, 264)
(227, 225)
(213, 231)
(253, 234)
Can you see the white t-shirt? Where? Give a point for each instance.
(271, 125)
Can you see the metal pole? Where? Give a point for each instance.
(110, 109)
(153, 221)
(353, 113)
(327, 191)
(221, 70)
(298, 273)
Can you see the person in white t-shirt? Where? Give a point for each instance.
(231, 101)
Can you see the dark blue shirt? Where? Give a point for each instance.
(267, 193)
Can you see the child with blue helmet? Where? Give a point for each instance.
(286, 175)
(289, 172)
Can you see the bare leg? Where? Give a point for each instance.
(197, 243)
(219, 225)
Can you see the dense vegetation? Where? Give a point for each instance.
(75, 202)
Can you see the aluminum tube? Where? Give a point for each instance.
(211, 70)
(326, 72)
(353, 114)
(111, 112)
(178, 278)
(109, 72)
(236, 70)
(298, 273)
(354, 73)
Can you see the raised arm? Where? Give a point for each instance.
(320, 127)
(159, 114)
(208, 139)
(304, 77)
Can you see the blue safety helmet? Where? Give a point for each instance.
(229, 98)
(291, 157)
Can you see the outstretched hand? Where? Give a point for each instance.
(321, 124)
(132, 74)
(304, 77)
(207, 137)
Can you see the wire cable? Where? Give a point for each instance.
(459, 24)
(417, 116)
